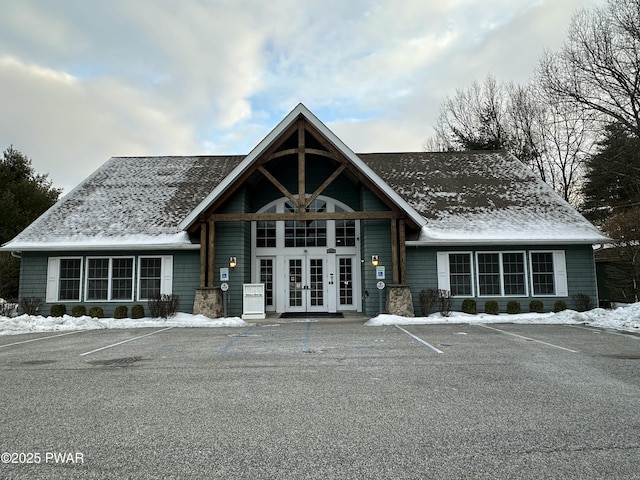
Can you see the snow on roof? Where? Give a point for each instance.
(481, 197)
(465, 197)
(129, 201)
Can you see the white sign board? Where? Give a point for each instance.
(379, 273)
(224, 274)
(380, 285)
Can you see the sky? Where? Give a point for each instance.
(84, 80)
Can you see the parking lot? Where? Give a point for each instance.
(322, 400)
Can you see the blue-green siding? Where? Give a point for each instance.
(186, 277)
(422, 274)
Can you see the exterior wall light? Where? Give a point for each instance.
(374, 260)
(232, 262)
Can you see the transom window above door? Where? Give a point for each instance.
(307, 233)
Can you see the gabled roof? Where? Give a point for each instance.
(485, 197)
(456, 199)
(291, 118)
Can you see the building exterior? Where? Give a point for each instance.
(305, 216)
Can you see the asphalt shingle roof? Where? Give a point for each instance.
(487, 196)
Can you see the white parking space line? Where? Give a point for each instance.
(125, 341)
(525, 338)
(41, 338)
(610, 332)
(419, 340)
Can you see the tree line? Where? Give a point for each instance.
(576, 124)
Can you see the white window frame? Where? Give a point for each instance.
(500, 254)
(559, 273)
(444, 274)
(166, 275)
(52, 294)
(110, 279)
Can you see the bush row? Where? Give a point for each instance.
(470, 306)
(59, 309)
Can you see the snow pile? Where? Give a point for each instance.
(36, 323)
(626, 318)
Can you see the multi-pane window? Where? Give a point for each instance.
(345, 279)
(513, 273)
(150, 277)
(70, 274)
(266, 231)
(542, 276)
(266, 277)
(460, 274)
(489, 273)
(110, 278)
(345, 231)
(307, 233)
(501, 273)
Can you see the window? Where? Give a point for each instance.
(309, 233)
(150, 277)
(501, 274)
(489, 274)
(70, 275)
(266, 231)
(266, 277)
(542, 273)
(345, 231)
(110, 278)
(460, 274)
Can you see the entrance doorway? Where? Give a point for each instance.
(306, 288)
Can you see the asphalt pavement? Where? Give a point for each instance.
(320, 400)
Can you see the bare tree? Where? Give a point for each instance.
(548, 136)
(598, 68)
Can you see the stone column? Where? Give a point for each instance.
(399, 300)
(208, 302)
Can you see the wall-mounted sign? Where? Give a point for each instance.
(379, 273)
(224, 274)
(224, 287)
(380, 285)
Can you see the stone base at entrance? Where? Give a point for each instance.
(208, 302)
(399, 300)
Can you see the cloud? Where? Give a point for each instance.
(83, 81)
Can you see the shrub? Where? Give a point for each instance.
(30, 305)
(163, 306)
(469, 305)
(137, 311)
(428, 299)
(96, 312)
(444, 301)
(78, 311)
(513, 307)
(536, 306)
(58, 310)
(582, 302)
(120, 312)
(8, 309)
(559, 306)
(491, 307)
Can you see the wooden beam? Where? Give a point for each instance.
(394, 251)
(293, 151)
(277, 184)
(325, 184)
(211, 255)
(403, 251)
(302, 190)
(301, 216)
(203, 255)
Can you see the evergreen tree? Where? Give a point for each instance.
(24, 196)
(612, 179)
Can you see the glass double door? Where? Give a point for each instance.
(307, 285)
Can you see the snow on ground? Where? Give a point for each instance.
(33, 323)
(625, 318)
